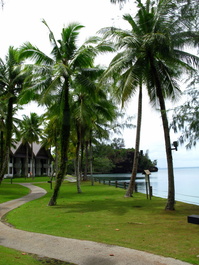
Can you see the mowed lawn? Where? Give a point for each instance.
(102, 214)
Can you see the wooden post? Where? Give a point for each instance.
(125, 185)
(147, 182)
(150, 191)
(92, 181)
(136, 188)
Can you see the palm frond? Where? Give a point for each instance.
(32, 52)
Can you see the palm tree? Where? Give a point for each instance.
(160, 58)
(51, 137)
(12, 79)
(30, 132)
(129, 64)
(55, 75)
(91, 104)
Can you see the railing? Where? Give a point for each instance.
(111, 181)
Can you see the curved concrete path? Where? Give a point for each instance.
(80, 252)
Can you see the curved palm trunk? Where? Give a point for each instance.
(171, 186)
(64, 141)
(131, 186)
(8, 138)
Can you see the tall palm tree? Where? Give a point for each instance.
(55, 75)
(129, 64)
(12, 79)
(91, 104)
(160, 58)
(51, 133)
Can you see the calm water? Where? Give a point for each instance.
(186, 183)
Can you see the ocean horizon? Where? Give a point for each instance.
(186, 183)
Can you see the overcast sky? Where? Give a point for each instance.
(20, 21)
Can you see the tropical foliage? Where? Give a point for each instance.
(186, 117)
(81, 99)
(152, 53)
(12, 78)
(30, 132)
(109, 158)
(64, 82)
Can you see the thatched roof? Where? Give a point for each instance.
(39, 151)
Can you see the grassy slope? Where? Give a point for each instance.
(10, 192)
(10, 256)
(102, 214)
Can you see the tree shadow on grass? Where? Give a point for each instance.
(115, 206)
(103, 198)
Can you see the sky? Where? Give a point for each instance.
(20, 21)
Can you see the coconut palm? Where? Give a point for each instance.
(30, 132)
(12, 79)
(91, 104)
(54, 75)
(129, 64)
(152, 53)
(50, 137)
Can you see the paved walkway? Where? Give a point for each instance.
(80, 252)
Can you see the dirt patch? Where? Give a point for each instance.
(50, 261)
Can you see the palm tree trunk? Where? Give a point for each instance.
(31, 170)
(7, 138)
(56, 157)
(91, 158)
(78, 168)
(2, 151)
(82, 158)
(85, 177)
(131, 186)
(171, 186)
(26, 162)
(78, 158)
(64, 141)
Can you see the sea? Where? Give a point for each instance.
(186, 183)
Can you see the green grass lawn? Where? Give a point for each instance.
(102, 214)
(25, 180)
(10, 192)
(11, 257)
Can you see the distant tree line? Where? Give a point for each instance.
(115, 158)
